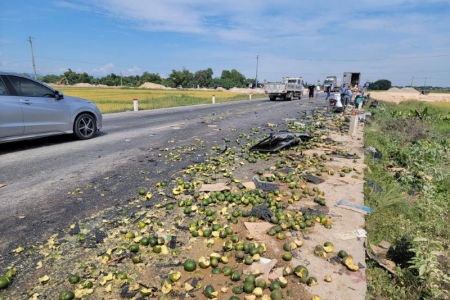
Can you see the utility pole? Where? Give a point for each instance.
(120, 79)
(32, 55)
(412, 80)
(425, 83)
(256, 79)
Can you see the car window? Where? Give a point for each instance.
(29, 88)
(3, 90)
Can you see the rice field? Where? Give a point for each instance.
(111, 100)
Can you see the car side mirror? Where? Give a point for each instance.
(59, 95)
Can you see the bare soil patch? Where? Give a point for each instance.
(397, 95)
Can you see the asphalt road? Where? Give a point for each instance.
(53, 181)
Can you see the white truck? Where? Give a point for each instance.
(289, 88)
(333, 81)
(351, 79)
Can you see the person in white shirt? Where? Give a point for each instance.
(317, 91)
(336, 105)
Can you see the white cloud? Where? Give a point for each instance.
(66, 4)
(135, 70)
(106, 69)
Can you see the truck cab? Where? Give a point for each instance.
(332, 81)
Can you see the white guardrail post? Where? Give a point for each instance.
(213, 99)
(353, 123)
(135, 104)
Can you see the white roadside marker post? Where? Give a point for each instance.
(353, 123)
(135, 104)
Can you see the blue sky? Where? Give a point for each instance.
(395, 40)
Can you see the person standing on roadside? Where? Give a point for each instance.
(328, 92)
(355, 90)
(348, 97)
(311, 89)
(317, 91)
(343, 93)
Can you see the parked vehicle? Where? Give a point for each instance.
(334, 81)
(351, 79)
(30, 109)
(289, 88)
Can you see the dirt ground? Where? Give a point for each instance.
(398, 95)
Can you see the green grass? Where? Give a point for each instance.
(414, 174)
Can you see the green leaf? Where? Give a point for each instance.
(422, 270)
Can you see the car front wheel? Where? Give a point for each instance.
(84, 127)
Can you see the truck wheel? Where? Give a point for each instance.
(272, 98)
(289, 96)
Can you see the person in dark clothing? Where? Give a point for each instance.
(359, 98)
(328, 92)
(311, 89)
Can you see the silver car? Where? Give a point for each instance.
(31, 109)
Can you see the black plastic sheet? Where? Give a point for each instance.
(276, 142)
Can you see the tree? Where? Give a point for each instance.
(71, 76)
(203, 78)
(381, 84)
(225, 83)
(168, 82)
(225, 74)
(85, 78)
(111, 80)
(49, 78)
(237, 78)
(182, 78)
(150, 77)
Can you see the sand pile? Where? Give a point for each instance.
(402, 90)
(409, 90)
(151, 85)
(92, 85)
(394, 90)
(409, 94)
(83, 85)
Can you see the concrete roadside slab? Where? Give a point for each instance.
(345, 284)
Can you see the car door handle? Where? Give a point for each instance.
(26, 102)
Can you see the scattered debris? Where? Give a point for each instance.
(343, 203)
(375, 186)
(313, 179)
(376, 155)
(265, 269)
(262, 212)
(379, 254)
(118, 259)
(264, 185)
(358, 233)
(276, 142)
(213, 187)
(75, 229)
(342, 154)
